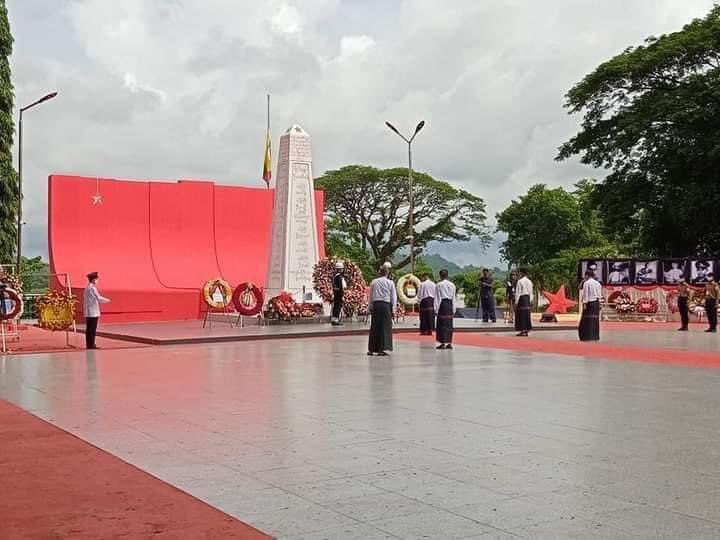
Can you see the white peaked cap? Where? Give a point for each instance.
(339, 264)
(387, 264)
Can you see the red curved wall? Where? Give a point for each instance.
(156, 243)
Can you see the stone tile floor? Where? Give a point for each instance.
(312, 439)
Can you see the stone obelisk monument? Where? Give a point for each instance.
(294, 242)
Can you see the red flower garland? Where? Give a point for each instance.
(284, 306)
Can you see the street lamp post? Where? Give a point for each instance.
(410, 183)
(20, 185)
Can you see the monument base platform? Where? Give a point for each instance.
(188, 332)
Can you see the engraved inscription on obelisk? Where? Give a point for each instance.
(294, 244)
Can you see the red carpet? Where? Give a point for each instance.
(54, 485)
(591, 350)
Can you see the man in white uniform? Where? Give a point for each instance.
(91, 307)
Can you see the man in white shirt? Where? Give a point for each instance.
(523, 299)
(91, 308)
(426, 297)
(445, 309)
(383, 300)
(589, 329)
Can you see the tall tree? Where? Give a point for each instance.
(540, 224)
(549, 230)
(651, 115)
(8, 179)
(368, 213)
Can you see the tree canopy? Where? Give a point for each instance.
(549, 230)
(651, 115)
(8, 179)
(367, 213)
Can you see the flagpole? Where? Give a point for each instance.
(268, 126)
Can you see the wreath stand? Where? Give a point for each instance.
(207, 320)
(9, 332)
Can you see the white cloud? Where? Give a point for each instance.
(176, 88)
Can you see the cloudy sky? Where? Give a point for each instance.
(168, 89)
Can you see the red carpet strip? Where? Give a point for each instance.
(589, 350)
(55, 485)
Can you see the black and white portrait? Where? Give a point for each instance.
(618, 273)
(646, 272)
(674, 271)
(596, 267)
(699, 269)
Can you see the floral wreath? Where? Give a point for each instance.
(354, 296)
(646, 305)
(407, 289)
(248, 299)
(18, 306)
(209, 289)
(13, 282)
(56, 310)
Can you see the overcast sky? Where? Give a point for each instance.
(168, 89)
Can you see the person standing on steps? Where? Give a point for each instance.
(683, 296)
(445, 309)
(523, 299)
(383, 300)
(712, 295)
(589, 329)
(338, 291)
(487, 296)
(510, 297)
(426, 295)
(92, 300)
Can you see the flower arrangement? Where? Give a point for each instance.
(621, 302)
(399, 311)
(646, 305)
(354, 297)
(284, 307)
(56, 310)
(248, 299)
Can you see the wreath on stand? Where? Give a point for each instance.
(248, 299)
(217, 293)
(17, 306)
(56, 310)
(408, 287)
(355, 300)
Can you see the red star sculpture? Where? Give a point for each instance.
(559, 303)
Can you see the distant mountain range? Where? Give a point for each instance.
(438, 262)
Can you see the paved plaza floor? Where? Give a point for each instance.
(310, 438)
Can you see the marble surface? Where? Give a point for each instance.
(312, 439)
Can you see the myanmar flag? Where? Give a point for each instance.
(267, 164)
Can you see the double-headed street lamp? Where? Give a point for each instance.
(410, 182)
(20, 185)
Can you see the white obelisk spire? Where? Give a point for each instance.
(294, 242)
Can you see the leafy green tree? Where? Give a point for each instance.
(540, 224)
(8, 179)
(651, 115)
(35, 275)
(367, 209)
